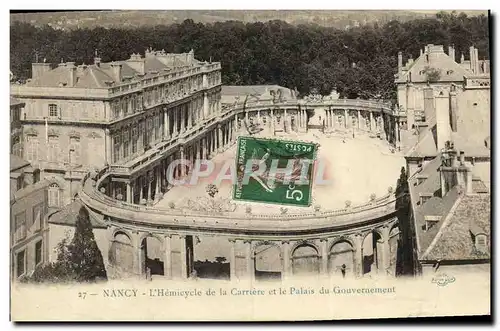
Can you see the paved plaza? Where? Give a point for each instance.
(356, 168)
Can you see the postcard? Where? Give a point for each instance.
(249, 165)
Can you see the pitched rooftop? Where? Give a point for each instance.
(105, 74)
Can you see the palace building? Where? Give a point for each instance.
(79, 118)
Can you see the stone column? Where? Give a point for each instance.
(371, 121)
(219, 137)
(148, 179)
(158, 179)
(129, 193)
(232, 260)
(184, 274)
(141, 188)
(189, 115)
(272, 122)
(285, 249)
(167, 263)
(385, 253)
(165, 123)
(132, 185)
(183, 169)
(139, 260)
(250, 259)
(324, 256)
(359, 119)
(205, 105)
(358, 242)
(175, 120)
(346, 118)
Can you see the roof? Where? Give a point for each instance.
(427, 145)
(68, 215)
(434, 57)
(101, 75)
(17, 163)
(15, 102)
(454, 241)
(39, 185)
(450, 208)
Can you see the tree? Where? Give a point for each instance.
(77, 261)
(85, 257)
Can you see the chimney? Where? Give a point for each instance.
(472, 55)
(453, 108)
(451, 52)
(72, 73)
(137, 63)
(462, 58)
(400, 62)
(410, 106)
(39, 69)
(448, 169)
(421, 52)
(116, 69)
(97, 61)
(429, 110)
(443, 129)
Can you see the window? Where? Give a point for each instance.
(20, 227)
(53, 110)
(481, 244)
(54, 195)
(135, 137)
(53, 148)
(20, 263)
(32, 148)
(38, 253)
(126, 135)
(20, 182)
(37, 217)
(116, 109)
(116, 148)
(74, 150)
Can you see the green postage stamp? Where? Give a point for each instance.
(274, 171)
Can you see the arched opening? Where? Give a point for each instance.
(371, 257)
(341, 259)
(268, 262)
(152, 256)
(121, 254)
(305, 260)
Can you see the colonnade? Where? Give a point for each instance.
(177, 251)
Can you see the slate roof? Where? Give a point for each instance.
(98, 76)
(451, 71)
(16, 162)
(448, 239)
(15, 102)
(68, 215)
(454, 240)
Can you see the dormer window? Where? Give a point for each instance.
(424, 197)
(481, 243)
(449, 72)
(431, 221)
